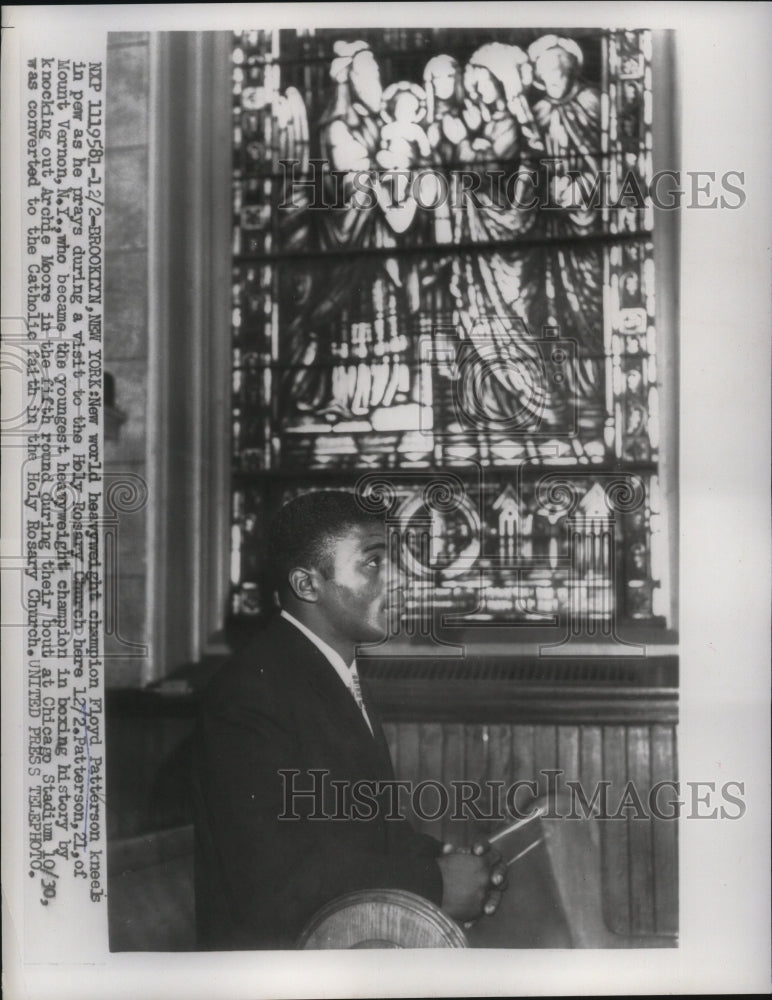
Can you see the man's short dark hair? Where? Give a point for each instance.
(303, 530)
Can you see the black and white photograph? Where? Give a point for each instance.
(391, 529)
(409, 289)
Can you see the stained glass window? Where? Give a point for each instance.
(443, 267)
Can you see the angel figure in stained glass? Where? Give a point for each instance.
(568, 117)
(353, 311)
(404, 147)
(569, 120)
(496, 112)
(445, 95)
(493, 289)
(447, 133)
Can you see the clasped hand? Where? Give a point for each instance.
(473, 880)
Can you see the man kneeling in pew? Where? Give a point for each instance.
(285, 726)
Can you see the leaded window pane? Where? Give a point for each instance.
(443, 263)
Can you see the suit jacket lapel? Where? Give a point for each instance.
(320, 674)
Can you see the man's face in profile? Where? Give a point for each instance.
(361, 586)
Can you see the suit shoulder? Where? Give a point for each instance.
(258, 666)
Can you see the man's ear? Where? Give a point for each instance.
(304, 586)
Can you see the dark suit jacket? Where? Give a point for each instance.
(279, 705)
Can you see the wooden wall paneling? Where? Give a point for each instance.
(615, 852)
(636, 860)
(568, 758)
(453, 770)
(478, 770)
(590, 759)
(501, 764)
(390, 732)
(665, 831)
(545, 756)
(430, 769)
(523, 760)
(408, 762)
(639, 830)
(433, 697)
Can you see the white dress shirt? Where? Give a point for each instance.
(348, 674)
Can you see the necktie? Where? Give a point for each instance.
(356, 690)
